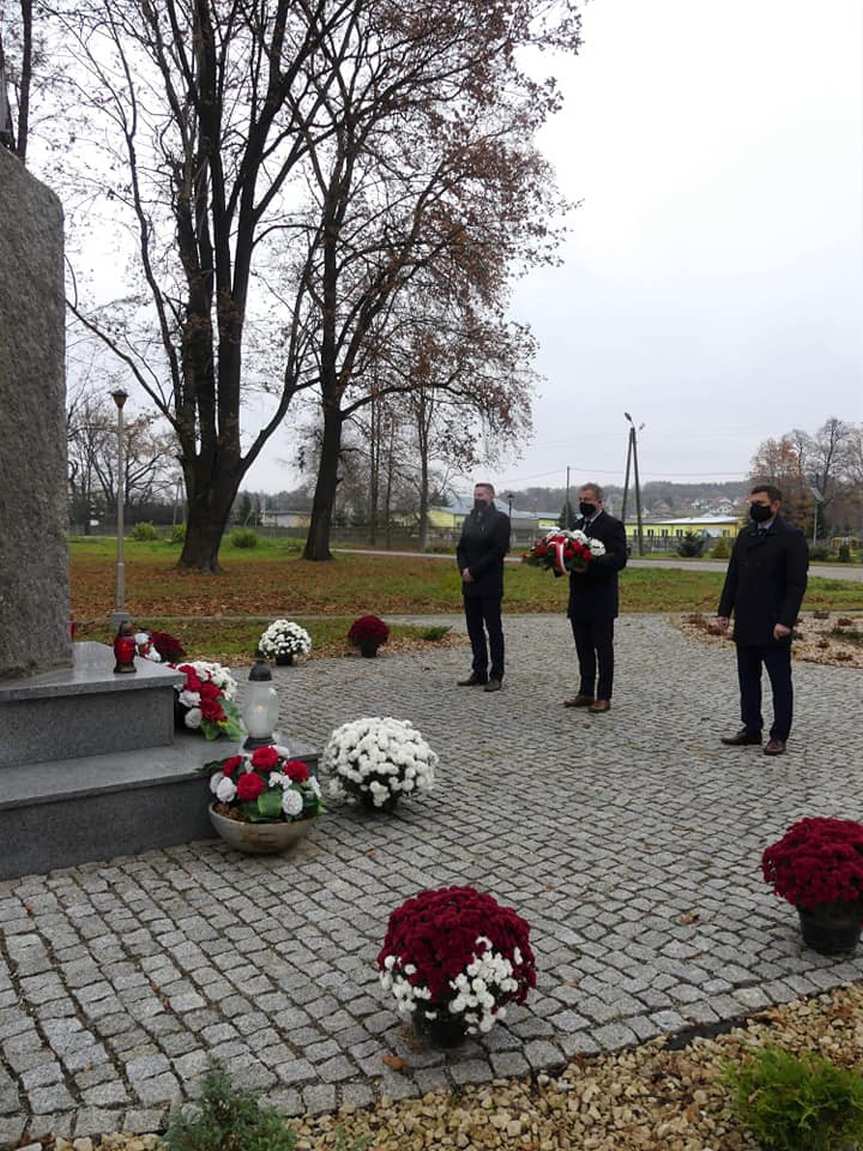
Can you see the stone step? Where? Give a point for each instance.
(86, 709)
(92, 808)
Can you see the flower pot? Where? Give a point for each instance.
(832, 928)
(369, 648)
(259, 838)
(285, 660)
(445, 1032)
(368, 802)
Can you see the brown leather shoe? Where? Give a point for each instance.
(775, 747)
(743, 738)
(579, 701)
(599, 706)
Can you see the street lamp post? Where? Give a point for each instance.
(120, 615)
(509, 504)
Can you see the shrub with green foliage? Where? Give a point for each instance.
(227, 1118)
(797, 1104)
(721, 549)
(690, 545)
(844, 554)
(144, 532)
(435, 633)
(176, 534)
(243, 538)
(819, 552)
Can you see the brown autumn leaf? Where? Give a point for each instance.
(688, 918)
(394, 1062)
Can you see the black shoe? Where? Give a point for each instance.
(775, 747)
(493, 685)
(744, 738)
(473, 680)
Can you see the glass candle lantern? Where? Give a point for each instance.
(124, 650)
(260, 706)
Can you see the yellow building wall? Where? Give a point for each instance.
(676, 529)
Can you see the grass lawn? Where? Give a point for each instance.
(272, 579)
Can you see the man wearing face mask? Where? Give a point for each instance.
(593, 603)
(483, 544)
(764, 588)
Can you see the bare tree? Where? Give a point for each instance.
(15, 132)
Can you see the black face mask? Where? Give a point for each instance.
(586, 510)
(480, 505)
(760, 513)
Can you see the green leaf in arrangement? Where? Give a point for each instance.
(269, 803)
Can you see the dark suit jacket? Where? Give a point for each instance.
(593, 594)
(766, 582)
(483, 544)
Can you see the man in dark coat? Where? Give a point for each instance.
(764, 588)
(593, 603)
(483, 544)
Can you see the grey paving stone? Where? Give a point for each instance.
(292, 993)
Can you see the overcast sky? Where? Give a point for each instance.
(712, 280)
(712, 283)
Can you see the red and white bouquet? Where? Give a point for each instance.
(564, 551)
(266, 786)
(158, 646)
(455, 955)
(205, 702)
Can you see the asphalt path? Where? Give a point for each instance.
(852, 572)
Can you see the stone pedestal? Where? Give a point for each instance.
(34, 578)
(91, 767)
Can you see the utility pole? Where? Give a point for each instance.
(634, 452)
(626, 480)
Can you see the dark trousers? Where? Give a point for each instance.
(777, 659)
(483, 614)
(594, 643)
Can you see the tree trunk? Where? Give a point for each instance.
(318, 540)
(209, 500)
(388, 498)
(424, 501)
(374, 471)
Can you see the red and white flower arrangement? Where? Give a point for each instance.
(206, 700)
(456, 955)
(159, 646)
(266, 786)
(377, 760)
(564, 551)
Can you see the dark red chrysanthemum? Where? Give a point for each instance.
(817, 861)
(249, 787)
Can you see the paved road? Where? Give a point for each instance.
(824, 571)
(630, 841)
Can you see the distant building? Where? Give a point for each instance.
(452, 517)
(713, 526)
(272, 518)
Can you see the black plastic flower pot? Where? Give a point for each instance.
(445, 1032)
(286, 659)
(369, 648)
(388, 805)
(832, 928)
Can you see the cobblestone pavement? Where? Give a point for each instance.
(631, 842)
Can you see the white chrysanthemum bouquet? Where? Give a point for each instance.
(376, 760)
(283, 640)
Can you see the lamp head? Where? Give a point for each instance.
(119, 396)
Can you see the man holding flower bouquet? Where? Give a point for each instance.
(593, 601)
